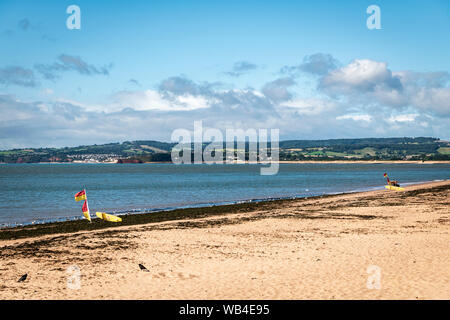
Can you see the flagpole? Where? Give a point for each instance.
(87, 205)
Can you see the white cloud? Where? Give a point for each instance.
(403, 117)
(356, 117)
(139, 100)
(85, 106)
(360, 75)
(154, 100)
(436, 99)
(310, 106)
(369, 83)
(277, 90)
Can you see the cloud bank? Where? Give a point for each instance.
(363, 98)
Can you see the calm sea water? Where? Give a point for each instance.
(45, 192)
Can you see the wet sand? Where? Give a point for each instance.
(316, 248)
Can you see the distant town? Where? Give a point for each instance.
(144, 151)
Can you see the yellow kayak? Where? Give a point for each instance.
(108, 217)
(394, 188)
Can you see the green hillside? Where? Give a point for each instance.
(421, 148)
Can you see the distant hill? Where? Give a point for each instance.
(101, 153)
(421, 148)
(356, 142)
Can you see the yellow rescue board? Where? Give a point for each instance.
(395, 188)
(108, 217)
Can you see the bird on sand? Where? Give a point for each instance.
(143, 268)
(23, 278)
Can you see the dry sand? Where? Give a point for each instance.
(318, 248)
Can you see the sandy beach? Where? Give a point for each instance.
(317, 248)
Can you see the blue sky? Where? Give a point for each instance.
(140, 69)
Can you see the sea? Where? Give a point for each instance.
(39, 193)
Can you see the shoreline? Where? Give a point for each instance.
(193, 212)
(71, 226)
(268, 162)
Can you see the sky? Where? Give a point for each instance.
(138, 70)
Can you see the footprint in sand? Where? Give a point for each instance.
(179, 275)
(186, 276)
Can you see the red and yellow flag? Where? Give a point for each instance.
(80, 195)
(85, 210)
